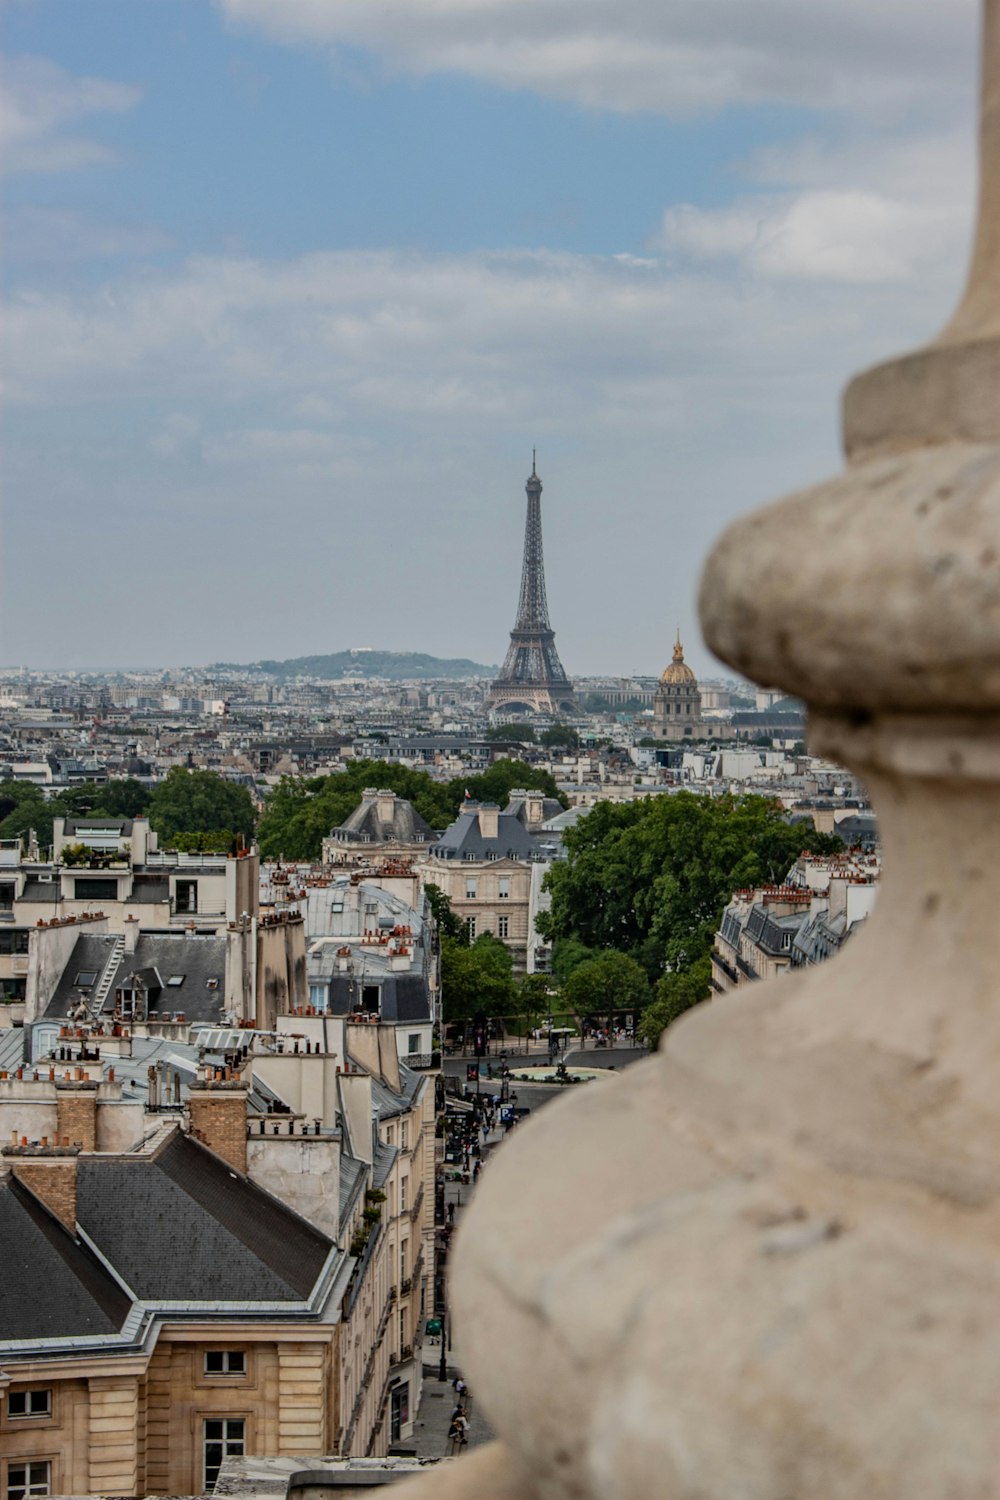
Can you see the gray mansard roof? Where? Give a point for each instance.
(199, 957)
(405, 827)
(404, 997)
(179, 1226)
(52, 1285)
(463, 839)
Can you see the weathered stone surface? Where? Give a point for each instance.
(877, 591)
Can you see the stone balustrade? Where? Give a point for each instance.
(765, 1264)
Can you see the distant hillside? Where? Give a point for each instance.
(395, 665)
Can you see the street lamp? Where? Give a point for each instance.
(443, 1365)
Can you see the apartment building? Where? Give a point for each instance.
(248, 1273)
(823, 901)
(483, 864)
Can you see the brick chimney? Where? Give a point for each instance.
(49, 1172)
(76, 1113)
(218, 1114)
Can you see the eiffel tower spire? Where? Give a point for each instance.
(532, 676)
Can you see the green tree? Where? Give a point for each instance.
(119, 798)
(560, 734)
(302, 811)
(536, 995)
(675, 994)
(496, 784)
(662, 869)
(220, 841)
(123, 798)
(200, 802)
(448, 924)
(22, 806)
(476, 978)
(567, 954)
(610, 982)
(513, 734)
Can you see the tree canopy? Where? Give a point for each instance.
(200, 802)
(476, 978)
(301, 812)
(514, 734)
(503, 776)
(23, 805)
(560, 734)
(448, 924)
(650, 879)
(610, 982)
(675, 993)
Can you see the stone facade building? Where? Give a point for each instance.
(483, 864)
(246, 1272)
(677, 705)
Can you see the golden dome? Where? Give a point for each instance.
(678, 670)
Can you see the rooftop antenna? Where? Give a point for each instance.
(533, 475)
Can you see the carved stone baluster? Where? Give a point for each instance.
(765, 1265)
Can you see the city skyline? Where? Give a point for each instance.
(291, 292)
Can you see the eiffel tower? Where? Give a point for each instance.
(532, 677)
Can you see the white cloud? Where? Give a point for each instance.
(302, 426)
(319, 421)
(821, 236)
(671, 56)
(38, 101)
(898, 210)
(334, 339)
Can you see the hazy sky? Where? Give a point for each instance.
(292, 287)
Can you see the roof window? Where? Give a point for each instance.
(86, 978)
(175, 981)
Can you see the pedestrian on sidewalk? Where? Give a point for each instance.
(457, 1432)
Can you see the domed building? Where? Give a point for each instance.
(677, 706)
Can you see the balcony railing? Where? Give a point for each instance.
(725, 966)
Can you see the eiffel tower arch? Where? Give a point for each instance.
(532, 677)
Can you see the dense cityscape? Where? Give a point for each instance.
(330, 938)
(430, 1054)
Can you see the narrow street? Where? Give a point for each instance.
(439, 1398)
